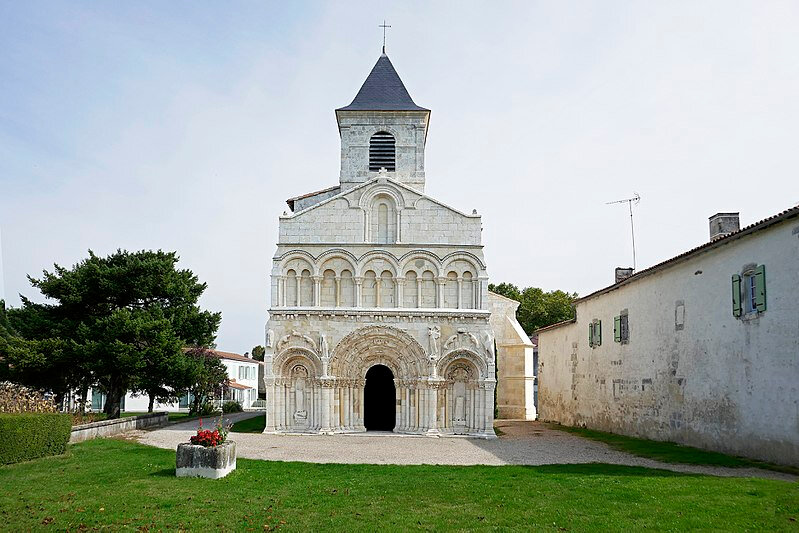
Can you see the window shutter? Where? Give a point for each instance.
(617, 329)
(736, 295)
(591, 334)
(598, 330)
(760, 288)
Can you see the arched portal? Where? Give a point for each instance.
(380, 399)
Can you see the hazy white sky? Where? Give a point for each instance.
(185, 125)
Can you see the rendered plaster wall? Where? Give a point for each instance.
(716, 381)
(515, 372)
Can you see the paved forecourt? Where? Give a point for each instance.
(523, 443)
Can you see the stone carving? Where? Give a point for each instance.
(270, 338)
(295, 338)
(433, 334)
(325, 355)
(462, 338)
(488, 345)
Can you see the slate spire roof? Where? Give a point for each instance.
(383, 90)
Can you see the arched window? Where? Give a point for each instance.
(369, 290)
(467, 297)
(382, 152)
(384, 220)
(451, 291)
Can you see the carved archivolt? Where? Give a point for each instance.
(371, 345)
(462, 356)
(286, 361)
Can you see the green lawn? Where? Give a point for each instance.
(670, 452)
(255, 424)
(116, 484)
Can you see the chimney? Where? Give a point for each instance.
(247, 355)
(623, 273)
(722, 224)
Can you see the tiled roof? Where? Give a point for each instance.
(383, 90)
(291, 201)
(234, 356)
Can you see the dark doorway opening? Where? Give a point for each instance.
(380, 399)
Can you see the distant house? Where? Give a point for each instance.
(702, 349)
(242, 372)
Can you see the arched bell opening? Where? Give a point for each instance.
(380, 399)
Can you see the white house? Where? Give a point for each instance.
(702, 349)
(242, 372)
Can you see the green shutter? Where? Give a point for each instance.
(598, 330)
(617, 329)
(736, 295)
(760, 288)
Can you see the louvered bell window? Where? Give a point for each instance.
(382, 152)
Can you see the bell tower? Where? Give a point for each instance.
(383, 132)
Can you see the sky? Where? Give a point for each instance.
(185, 126)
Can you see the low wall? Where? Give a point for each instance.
(106, 428)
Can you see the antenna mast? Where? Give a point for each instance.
(630, 201)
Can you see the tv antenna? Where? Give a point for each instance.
(630, 201)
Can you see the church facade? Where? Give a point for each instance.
(379, 293)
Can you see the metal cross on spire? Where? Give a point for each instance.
(384, 26)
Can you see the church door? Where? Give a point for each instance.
(380, 399)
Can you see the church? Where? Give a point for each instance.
(379, 316)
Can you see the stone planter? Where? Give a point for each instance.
(213, 462)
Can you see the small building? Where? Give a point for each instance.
(702, 349)
(242, 373)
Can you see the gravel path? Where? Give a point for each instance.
(523, 443)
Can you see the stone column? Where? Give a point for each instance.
(327, 400)
(432, 427)
(299, 289)
(358, 291)
(400, 292)
(460, 292)
(317, 291)
(378, 295)
(361, 385)
(418, 292)
(338, 291)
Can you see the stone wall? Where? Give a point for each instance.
(691, 372)
(108, 428)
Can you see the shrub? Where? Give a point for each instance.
(231, 407)
(20, 399)
(28, 436)
(207, 409)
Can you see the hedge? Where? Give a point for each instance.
(27, 436)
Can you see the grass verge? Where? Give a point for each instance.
(256, 424)
(120, 485)
(671, 452)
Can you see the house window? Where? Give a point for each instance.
(382, 152)
(749, 292)
(621, 328)
(595, 333)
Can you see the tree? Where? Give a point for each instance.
(258, 353)
(538, 308)
(124, 319)
(205, 376)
